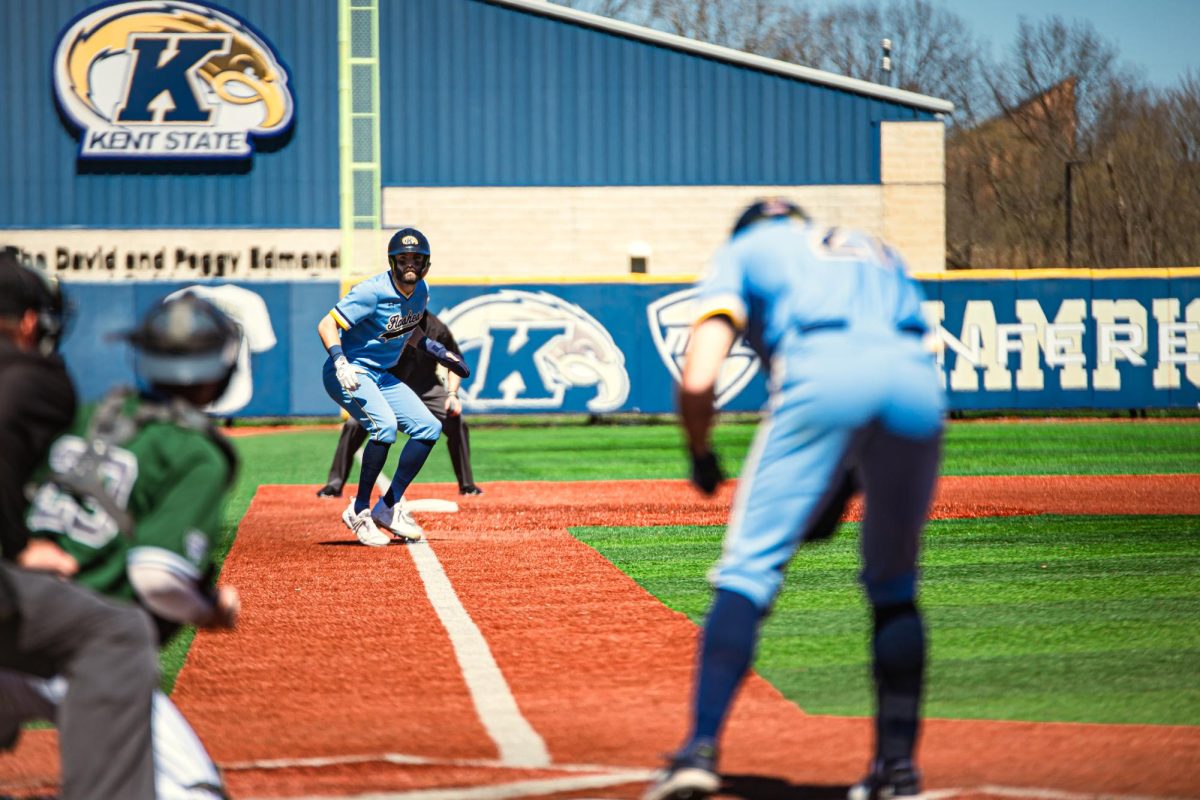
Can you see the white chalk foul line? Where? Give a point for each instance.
(1030, 793)
(619, 775)
(318, 762)
(502, 791)
(1035, 793)
(516, 740)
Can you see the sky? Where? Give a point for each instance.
(1160, 37)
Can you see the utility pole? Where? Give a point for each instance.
(1068, 211)
(885, 62)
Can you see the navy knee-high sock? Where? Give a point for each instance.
(374, 456)
(412, 458)
(730, 634)
(899, 653)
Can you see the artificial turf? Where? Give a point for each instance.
(673, 563)
(1050, 618)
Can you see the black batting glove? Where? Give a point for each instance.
(706, 472)
(455, 364)
(450, 360)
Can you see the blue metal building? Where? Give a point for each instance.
(475, 93)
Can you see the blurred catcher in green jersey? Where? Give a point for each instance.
(135, 494)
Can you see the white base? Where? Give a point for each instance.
(432, 505)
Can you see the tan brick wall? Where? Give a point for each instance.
(581, 232)
(913, 152)
(577, 232)
(913, 169)
(914, 222)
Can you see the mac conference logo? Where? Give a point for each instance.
(530, 350)
(169, 79)
(671, 320)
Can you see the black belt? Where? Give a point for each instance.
(841, 325)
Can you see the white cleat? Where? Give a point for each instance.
(364, 527)
(398, 520)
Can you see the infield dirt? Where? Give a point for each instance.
(341, 679)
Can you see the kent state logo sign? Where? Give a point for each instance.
(169, 79)
(530, 350)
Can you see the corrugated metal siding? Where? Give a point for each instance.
(480, 94)
(42, 185)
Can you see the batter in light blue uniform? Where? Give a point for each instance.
(365, 334)
(855, 404)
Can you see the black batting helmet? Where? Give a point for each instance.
(768, 208)
(409, 240)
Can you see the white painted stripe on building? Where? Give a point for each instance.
(707, 50)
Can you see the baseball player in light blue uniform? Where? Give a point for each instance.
(365, 334)
(855, 404)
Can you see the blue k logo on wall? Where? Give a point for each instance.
(534, 351)
(168, 79)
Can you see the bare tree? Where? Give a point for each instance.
(636, 11)
(750, 25)
(1043, 55)
(933, 50)
(1057, 109)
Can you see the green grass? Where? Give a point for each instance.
(1088, 619)
(611, 452)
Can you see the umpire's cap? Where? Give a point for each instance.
(768, 208)
(23, 288)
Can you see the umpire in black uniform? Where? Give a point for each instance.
(48, 626)
(418, 370)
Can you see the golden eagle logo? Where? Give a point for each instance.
(169, 79)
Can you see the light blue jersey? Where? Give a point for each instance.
(782, 278)
(839, 322)
(377, 320)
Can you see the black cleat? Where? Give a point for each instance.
(691, 774)
(893, 779)
(329, 490)
(470, 489)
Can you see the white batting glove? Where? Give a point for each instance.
(346, 375)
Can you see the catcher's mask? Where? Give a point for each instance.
(185, 341)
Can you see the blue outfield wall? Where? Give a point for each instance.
(1008, 340)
